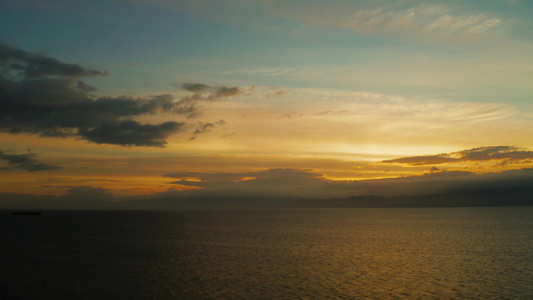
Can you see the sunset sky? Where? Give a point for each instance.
(139, 99)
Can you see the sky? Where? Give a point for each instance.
(128, 101)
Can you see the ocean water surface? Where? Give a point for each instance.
(370, 253)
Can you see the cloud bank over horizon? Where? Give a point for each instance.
(278, 187)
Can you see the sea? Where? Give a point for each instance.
(289, 253)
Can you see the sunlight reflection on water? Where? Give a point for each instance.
(461, 253)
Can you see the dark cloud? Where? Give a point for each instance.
(44, 96)
(433, 169)
(223, 92)
(189, 105)
(26, 162)
(501, 154)
(423, 160)
(84, 87)
(195, 87)
(205, 92)
(506, 153)
(53, 108)
(206, 127)
(31, 65)
(131, 133)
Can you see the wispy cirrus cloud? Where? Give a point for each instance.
(438, 21)
(425, 22)
(263, 71)
(336, 121)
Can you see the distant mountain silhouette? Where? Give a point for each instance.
(502, 196)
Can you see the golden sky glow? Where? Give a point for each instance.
(368, 91)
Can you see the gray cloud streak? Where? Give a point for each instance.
(26, 162)
(206, 127)
(210, 93)
(503, 154)
(202, 93)
(32, 65)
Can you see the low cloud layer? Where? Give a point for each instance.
(26, 162)
(300, 183)
(277, 177)
(283, 186)
(79, 197)
(44, 96)
(502, 155)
